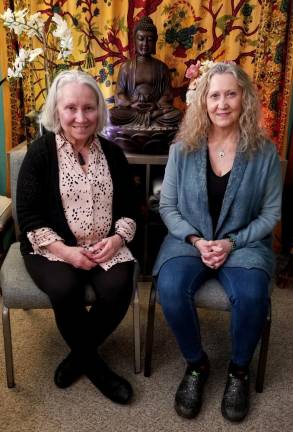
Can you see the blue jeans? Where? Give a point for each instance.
(248, 291)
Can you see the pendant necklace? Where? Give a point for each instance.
(80, 159)
(221, 154)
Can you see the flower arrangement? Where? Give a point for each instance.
(194, 73)
(43, 46)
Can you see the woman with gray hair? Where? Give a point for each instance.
(220, 201)
(76, 211)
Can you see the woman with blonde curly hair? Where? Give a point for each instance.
(220, 201)
(196, 124)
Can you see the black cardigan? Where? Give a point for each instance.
(39, 201)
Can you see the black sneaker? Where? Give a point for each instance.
(188, 398)
(235, 403)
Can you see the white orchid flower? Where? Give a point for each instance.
(15, 20)
(8, 18)
(35, 24)
(16, 71)
(19, 25)
(64, 34)
(12, 73)
(23, 54)
(66, 45)
(33, 54)
(20, 14)
(61, 26)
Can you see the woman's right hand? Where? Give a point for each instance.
(77, 256)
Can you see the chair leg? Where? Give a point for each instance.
(263, 354)
(8, 347)
(136, 333)
(136, 321)
(150, 331)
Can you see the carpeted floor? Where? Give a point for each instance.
(36, 405)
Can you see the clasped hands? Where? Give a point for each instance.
(213, 252)
(87, 258)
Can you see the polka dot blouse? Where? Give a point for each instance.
(87, 203)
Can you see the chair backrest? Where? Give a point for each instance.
(16, 159)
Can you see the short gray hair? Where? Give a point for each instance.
(49, 116)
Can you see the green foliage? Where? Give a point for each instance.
(279, 53)
(56, 9)
(247, 9)
(224, 20)
(170, 35)
(121, 24)
(89, 60)
(105, 73)
(284, 8)
(183, 36)
(59, 68)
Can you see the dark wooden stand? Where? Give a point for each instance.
(138, 140)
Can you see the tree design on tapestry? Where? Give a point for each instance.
(90, 38)
(101, 47)
(202, 35)
(189, 30)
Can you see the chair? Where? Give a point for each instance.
(211, 295)
(5, 221)
(20, 292)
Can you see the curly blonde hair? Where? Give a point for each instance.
(196, 123)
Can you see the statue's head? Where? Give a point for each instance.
(145, 37)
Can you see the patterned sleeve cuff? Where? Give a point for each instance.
(42, 237)
(125, 228)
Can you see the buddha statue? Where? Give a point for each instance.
(143, 97)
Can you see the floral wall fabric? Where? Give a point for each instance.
(254, 33)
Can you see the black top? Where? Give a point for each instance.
(39, 202)
(216, 190)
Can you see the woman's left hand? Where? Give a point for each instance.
(105, 249)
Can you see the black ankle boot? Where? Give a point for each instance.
(68, 371)
(188, 398)
(235, 403)
(114, 387)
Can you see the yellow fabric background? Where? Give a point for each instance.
(246, 31)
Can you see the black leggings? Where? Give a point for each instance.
(82, 329)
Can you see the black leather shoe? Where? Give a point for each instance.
(235, 403)
(114, 387)
(188, 398)
(68, 371)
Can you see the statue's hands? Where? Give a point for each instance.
(165, 104)
(143, 106)
(122, 101)
(167, 108)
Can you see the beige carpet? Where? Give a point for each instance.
(36, 405)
